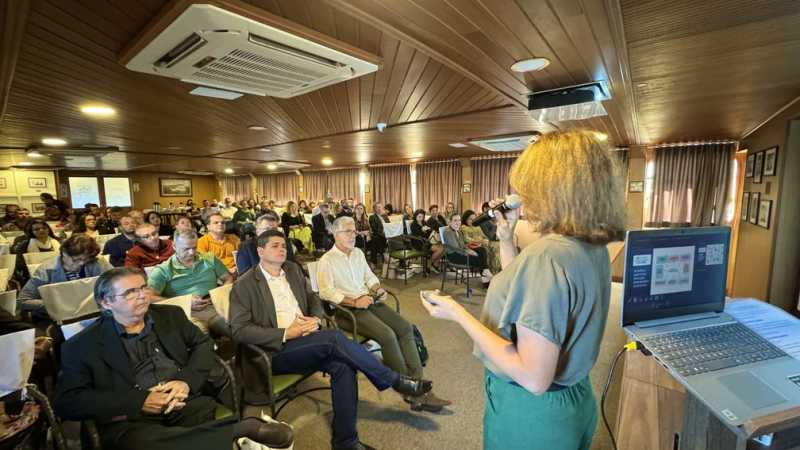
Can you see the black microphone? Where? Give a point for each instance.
(512, 202)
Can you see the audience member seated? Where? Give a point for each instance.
(421, 230)
(87, 224)
(189, 272)
(137, 216)
(363, 230)
(218, 243)
(184, 223)
(163, 229)
(140, 372)
(388, 210)
(376, 221)
(77, 259)
(474, 238)
(150, 249)
(228, 210)
(345, 278)
(458, 252)
(449, 210)
(408, 216)
(38, 237)
(16, 218)
(312, 207)
(489, 227)
(113, 215)
(247, 256)
(303, 207)
(295, 227)
(273, 307)
(54, 209)
(435, 220)
(345, 209)
(208, 209)
(117, 247)
(245, 213)
(322, 231)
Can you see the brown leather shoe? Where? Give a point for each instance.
(427, 402)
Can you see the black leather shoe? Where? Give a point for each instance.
(274, 435)
(411, 386)
(359, 446)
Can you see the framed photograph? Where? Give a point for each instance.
(175, 187)
(753, 212)
(764, 213)
(745, 206)
(748, 167)
(38, 208)
(636, 186)
(770, 161)
(466, 188)
(758, 167)
(37, 183)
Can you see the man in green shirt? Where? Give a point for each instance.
(188, 272)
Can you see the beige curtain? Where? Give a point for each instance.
(490, 179)
(343, 183)
(237, 188)
(439, 183)
(314, 185)
(281, 187)
(391, 184)
(690, 184)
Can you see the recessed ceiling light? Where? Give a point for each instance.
(228, 170)
(272, 166)
(35, 154)
(97, 110)
(215, 93)
(265, 150)
(417, 155)
(530, 65)
(457, 145)
(256, 128)
(601, 136)
(24, 163)
(55, 142)
(327, 162)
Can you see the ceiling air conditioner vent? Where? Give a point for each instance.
(209, 46)
(506, 143)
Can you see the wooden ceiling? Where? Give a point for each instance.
(677, 70)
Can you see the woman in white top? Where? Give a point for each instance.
(38, 238)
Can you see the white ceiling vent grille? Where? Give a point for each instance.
(210, 46)
(506, 143)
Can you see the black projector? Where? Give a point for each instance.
(573, 95)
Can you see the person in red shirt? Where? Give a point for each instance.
(149, 250)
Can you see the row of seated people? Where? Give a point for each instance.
(282, 319)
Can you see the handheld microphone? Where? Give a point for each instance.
(512, 202)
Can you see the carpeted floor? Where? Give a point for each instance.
(386, 422)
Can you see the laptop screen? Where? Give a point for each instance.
(674, 272)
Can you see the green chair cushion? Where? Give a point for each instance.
(222, 412)
(359, 338)
(282, 382)
(406, 254)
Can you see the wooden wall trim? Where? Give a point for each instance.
(617, 26)
(772, 116)
(14, 19)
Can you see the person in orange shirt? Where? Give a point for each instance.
(218, 243)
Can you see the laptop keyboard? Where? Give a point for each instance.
(703, 350)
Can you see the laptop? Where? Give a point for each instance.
(674, 304)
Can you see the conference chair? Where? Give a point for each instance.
(11, 235)
(70, 300)
(38, 257)
(400, 248)
(462, 271)
(8, 302)
(280, 388)
(9, 262)
(4, 277)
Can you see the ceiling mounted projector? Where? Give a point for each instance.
(578, 102)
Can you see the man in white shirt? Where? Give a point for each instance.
(273, 307)
(228, 210)
(346, 279)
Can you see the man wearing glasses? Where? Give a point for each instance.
(150, 249)
(140, 372)
(77, 260)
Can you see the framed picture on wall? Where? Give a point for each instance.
(748, 167)
(3, 183)
(745, 205)
(37, 183)
(764, 213)
(466, 188)
(753, 213)
(758, 167)
(38, 208)
(175, 187)
(770, 161)
(636, 186)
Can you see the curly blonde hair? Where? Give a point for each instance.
(570, 185)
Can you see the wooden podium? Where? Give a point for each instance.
(656, 413)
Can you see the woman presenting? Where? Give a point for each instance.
(545, 312)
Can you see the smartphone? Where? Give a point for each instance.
(424, 295)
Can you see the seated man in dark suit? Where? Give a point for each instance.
(247, 256)
(272, 306)
(140, 373)
(322, 224)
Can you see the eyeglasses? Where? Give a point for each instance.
(347, 232)
(132, 293)
(154, 234)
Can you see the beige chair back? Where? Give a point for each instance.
(4, 276)
(38, 257)
(32, 268)
(16, 354)
(8, 262)
(101, 239)
(183, 301)
(8, 302)
(313, 269)
(70, 299)
(221, 298)
(11, 235)
(74, 328)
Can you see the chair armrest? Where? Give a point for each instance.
(234, 387)
(268, 364)
(396, 300)
(55, 425)
(89, 427)
(348, 313)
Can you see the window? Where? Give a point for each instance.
(83, 190)
(117, 191)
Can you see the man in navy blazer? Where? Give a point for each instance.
(247, 256)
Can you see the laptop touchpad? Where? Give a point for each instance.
(752, 391)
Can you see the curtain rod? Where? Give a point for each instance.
(693, 143)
